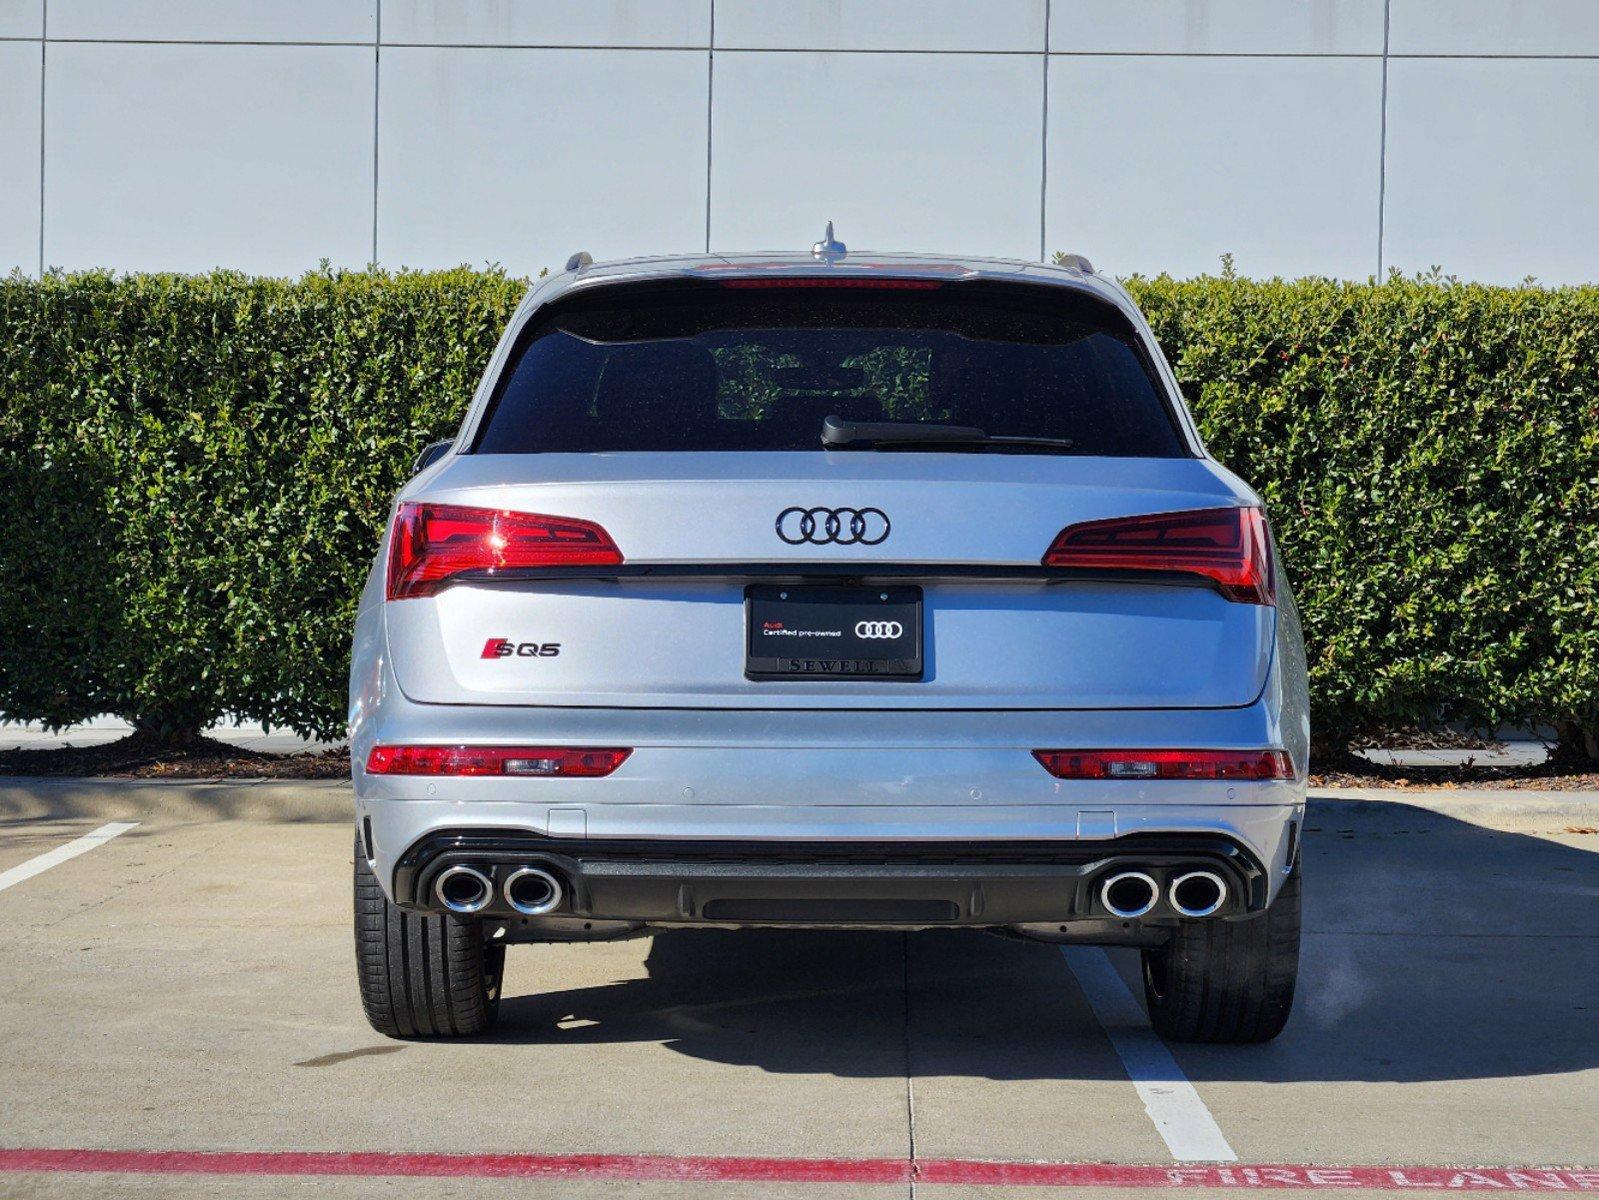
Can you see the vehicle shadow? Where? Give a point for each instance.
(1435, 949)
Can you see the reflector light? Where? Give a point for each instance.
(1166, 764)
(569, 761)
(811, 281)
(1229, 545)
(432, 542)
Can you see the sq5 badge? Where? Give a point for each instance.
(506, 648)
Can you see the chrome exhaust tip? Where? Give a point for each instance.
(1129, 894)
(532, 891)
(1198, 893)
(463, 889)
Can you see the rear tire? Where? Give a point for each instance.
(1227, 981)
(422, 976)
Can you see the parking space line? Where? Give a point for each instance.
(1180, 1116)
(687, 1168)
(54, 858)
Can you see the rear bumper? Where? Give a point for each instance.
(904, 884)
(902, 866)
(961, 781)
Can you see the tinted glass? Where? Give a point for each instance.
(739, 368)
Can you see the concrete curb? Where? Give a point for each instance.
(24, 798)
(267, 800)
(1479, 806)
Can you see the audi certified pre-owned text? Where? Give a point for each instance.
(828, 591)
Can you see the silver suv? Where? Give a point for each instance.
(828, 590)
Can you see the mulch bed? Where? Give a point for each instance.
(139, 756)
(1535, 779)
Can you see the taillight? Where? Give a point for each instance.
(494, 760)
(1166, 764)
(432, 542)
(1229, 545)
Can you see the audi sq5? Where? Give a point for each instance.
(835, 591)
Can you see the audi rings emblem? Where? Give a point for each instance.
(832, 526)
(879, 629)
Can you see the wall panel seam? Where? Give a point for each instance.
(44, 44)
(1043, 156)
(377, 72)
(1347, 54)
(177, 41)
(84, 41)
(710, 118)
(1502, 57)
(1382, 140)
(967, 51)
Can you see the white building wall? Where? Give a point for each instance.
(1340, 137)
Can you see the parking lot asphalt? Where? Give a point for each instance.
(186, 986)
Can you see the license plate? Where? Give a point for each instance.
(832, 632)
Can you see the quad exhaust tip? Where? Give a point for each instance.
(1198, 893)
(464, 889)
(532, 891)
(1130, 894)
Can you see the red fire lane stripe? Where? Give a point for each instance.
(797, 1170)
(594, 1166)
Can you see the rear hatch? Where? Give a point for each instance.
(758, 569)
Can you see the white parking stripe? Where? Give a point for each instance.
(54, 858)
(1180, 1116)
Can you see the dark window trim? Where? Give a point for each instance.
(840, 572)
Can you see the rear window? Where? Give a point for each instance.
(714, 367)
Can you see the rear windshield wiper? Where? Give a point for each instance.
(883, 435)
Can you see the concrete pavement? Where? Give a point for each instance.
(189, 985)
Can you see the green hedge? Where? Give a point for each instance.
(194, 473)
(1429, 452)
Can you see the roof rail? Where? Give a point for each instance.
(1076, 262)
(580, 261)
